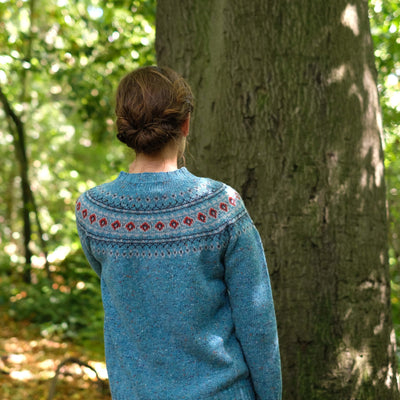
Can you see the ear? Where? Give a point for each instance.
(185, 126)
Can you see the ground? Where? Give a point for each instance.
(29, 361)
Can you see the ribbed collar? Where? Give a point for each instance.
(151, 177)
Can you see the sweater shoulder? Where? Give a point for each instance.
(123, 195)
(126, 211)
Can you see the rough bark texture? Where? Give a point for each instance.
(287, 112)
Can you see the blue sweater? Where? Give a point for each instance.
(188, 307)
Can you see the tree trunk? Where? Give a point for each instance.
(17, 129)
(287, 112)
(27, 196)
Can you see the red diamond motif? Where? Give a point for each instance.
(84, 213)
(92, 218)
(213, 212)
(103, 222)
(159, 225)
(232, 201)
(130, 226)
(116, 224)
(174, 224)
(145, 227)
(201, 217)
(223, 206)
(78, 206)
(188, 221)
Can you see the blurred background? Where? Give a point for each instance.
(60, 62)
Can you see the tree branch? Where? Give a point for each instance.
(73, 360)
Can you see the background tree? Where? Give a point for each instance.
(385, 26)
(59, 66)
(60, 61)
(287, 112)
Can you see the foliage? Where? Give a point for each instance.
(69, 307)
(385, 28)
(60, 61)
(63, 93)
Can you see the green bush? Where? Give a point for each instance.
(68, 306)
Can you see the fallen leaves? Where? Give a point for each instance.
(28, 363)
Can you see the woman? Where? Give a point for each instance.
(188, 308)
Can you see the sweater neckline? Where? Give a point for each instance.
(151, 177)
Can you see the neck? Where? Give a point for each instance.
(165, 161)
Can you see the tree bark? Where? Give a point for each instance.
(287, 112)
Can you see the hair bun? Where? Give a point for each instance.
(127, 136)
(151, 138)
(148, 138)
(125, 130)
(151, 106)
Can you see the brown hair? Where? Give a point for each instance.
(152, 103)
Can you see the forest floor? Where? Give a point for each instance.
(28, 364)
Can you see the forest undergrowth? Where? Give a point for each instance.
(29, 363)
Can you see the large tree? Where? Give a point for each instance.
(287, 112)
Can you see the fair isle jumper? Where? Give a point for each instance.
(188, 307)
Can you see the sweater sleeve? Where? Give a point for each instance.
(85, 242)
(253, 313)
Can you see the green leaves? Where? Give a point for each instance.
(385, 27)
(60, 63)
(68, 307)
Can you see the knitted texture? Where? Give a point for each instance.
(188, 307)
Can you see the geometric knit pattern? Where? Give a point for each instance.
(186, 293)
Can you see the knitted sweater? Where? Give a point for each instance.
(188, 307)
